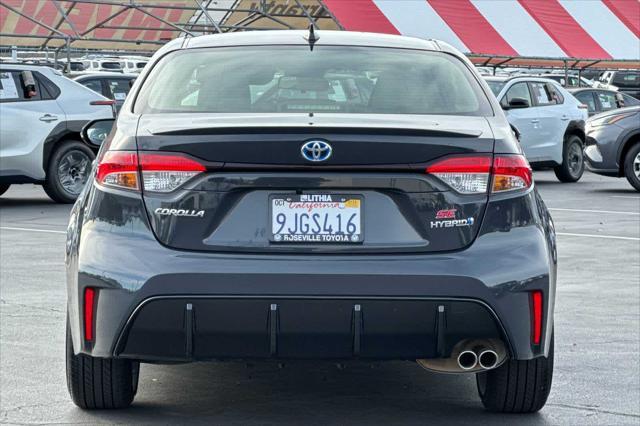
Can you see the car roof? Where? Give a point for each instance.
(288, 37)
(591, 89)
(82, 75)
(540, 79)
(25, 67)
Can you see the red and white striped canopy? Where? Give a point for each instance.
(595, 29)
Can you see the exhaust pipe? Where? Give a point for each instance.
(488, 359)
(467, 360)
(469, 356)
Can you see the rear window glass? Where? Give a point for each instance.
(495, 86)
(327, 79)
(111, 65)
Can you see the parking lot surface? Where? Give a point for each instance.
(597, 327)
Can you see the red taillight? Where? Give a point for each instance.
(118, 169)
(103, 102)
(467, 174)
(89, 303)
(511, 172)
(470, 174)
(161, 172)
(536, 320)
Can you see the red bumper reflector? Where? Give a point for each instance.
(536, 302)
(89, 299)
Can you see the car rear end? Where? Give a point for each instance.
(358, 200)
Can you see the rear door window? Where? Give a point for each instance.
(94, 84)
(607, 101)
(12, 89)
(9, 87)
(542, 94)
(118, 88)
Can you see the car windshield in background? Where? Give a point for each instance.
(495, 86)
(111, 65)
(327, 79)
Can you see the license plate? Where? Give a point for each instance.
(316, 218)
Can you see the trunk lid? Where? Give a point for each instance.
(254, 160)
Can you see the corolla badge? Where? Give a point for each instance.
(316, 151)
(179, 212)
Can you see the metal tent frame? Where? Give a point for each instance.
(208, 17)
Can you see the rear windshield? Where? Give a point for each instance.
(495, 86)
(285, 79)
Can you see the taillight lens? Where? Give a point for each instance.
(166, 172)
(466, 174)
(119, 169)
(471, 174)
(511, 172)
(154, 172)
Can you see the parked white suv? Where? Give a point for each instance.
(41, 116)
(549, 120)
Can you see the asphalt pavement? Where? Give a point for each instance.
(597, 326)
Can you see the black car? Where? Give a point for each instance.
(602, 100)
(613, 144)
(114, 86)
(362, 197)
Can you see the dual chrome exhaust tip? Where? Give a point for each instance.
(484, 358)
(469, 356)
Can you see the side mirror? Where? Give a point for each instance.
(619, 100)
(28, 84)
(96, 132)
(515, 103)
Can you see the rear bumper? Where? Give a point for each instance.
(203, 328)
(145, 290)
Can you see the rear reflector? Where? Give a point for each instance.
(470, 174)
(160, 172)
(536, 320)
(89, 303)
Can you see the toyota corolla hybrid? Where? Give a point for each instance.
(362, 197)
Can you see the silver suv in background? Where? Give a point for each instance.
(549, 120)
(41, 116)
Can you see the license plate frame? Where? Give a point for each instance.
(322, 239)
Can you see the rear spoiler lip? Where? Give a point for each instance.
(315, 130)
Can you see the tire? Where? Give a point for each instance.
(4, 187)
(517, 386)
(632, 166)
(572, 166)
(100, 383)
(68, 171)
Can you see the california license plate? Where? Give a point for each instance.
(316, 218)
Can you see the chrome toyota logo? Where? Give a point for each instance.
(316, 151)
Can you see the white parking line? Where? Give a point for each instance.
(594, 211)
(607, 237)
(50, 231)
(635, 197)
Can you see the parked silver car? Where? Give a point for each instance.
(41, 116)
